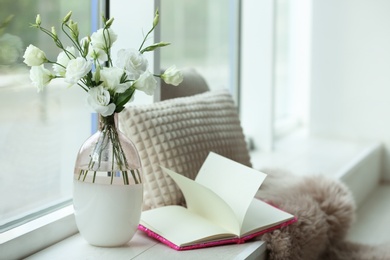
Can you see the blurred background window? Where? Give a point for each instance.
(40, 133)
(204, 36)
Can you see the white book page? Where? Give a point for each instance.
(235, 183)
(261, 216)
(206, 203)
(180, 226)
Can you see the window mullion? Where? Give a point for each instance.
(257, 72)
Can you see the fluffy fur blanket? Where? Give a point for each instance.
(325, 211)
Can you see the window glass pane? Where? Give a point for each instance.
(40, 133)
(282, 86)
(202, 38)
(292, 56)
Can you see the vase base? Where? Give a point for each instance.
(107, 215)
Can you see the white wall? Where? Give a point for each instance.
(350, 95)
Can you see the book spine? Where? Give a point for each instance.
(154, 235)
(241, 240)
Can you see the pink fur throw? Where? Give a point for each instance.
(325, 211)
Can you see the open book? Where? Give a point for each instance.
(221, 208)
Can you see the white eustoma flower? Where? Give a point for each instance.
(146, 83)
(76, 69)
(40, 77)
(34, 56)
(97, 54)
(172, 76)
(133, 62)
(63, 59)
(111, 79)
(99, 100)
(103, 38)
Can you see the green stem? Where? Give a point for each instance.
(75, 43)
(80, 174)
(139, 176)
(125, 178)
(112, 160)
(107, 45)
(54, 37)
(110, 137)
(147, 35)
(85, 175)
(81, 86)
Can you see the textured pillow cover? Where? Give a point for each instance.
(179, 134)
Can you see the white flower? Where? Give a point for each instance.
(111, 79)
(33, 56)
(64, 59)
(76, 69)
(97, 54)
(133, 62)
(172, 76)
(40, 77)
(11, 48)
(103, 38)
(99, 100)
(146, 83)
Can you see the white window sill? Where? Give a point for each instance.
(356, 163)
(143, 247)
(37, 234)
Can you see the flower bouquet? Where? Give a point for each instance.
(107, 178)
(88, 64)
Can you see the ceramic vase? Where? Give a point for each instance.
(107, 186)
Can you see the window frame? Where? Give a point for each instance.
(258, 67)
(256, 73)
(59, 224)
(254, 65)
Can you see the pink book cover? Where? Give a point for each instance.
(240, 240)
(215, 169)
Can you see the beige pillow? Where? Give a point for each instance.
(179, 134)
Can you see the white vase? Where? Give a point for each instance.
(107, 215)
(107, 186)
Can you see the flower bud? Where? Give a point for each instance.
(54, 32)
(109, 22)
(38, 20)
(85, 45)
(155, 46)
(74, 29)
(172, 76)
(97, 74)
(67, 17)
(156, 19)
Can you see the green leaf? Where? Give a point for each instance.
(123, 98)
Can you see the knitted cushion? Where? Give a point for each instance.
(179, 134)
